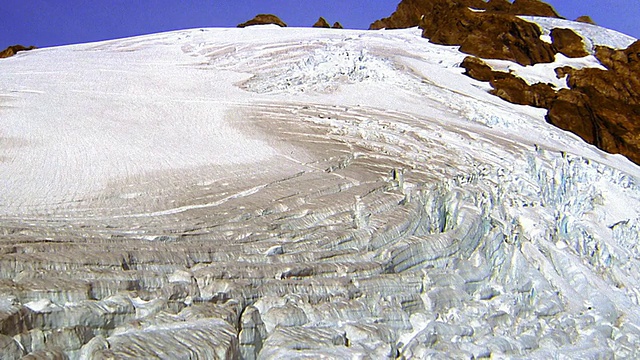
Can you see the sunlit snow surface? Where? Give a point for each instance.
(462, 223)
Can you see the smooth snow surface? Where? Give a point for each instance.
(367, 152)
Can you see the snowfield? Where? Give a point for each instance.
(352, 191)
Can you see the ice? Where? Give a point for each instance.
(39, 305)
(277, 192)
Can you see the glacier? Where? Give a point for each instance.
(268, 193)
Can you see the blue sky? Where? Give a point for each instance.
(57, 22)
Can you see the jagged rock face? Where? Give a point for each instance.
(532, 8)
(508, 86)
(602, 107)
(409, 12)
(502, 6)
(517, 91)
(495, 34)
(12, 50)
(321, 23)
(486, 34)
(568, 43)
(263, 19)
(521, 7)
(337, 25)
(609, 102)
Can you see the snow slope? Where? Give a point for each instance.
(365, 155)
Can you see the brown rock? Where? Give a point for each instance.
(321, 23)
(486, 35)
(586, 19)
(501, 6)
(533, 8)
(263, 19)
(563, 71)
(598, 120)
(337, 25)
(496, 33)
(515, 90)
(508, 86)
(12, 50)
(521, 7)
(601, 106)
(477, 69)
(608, 102)
(409, 12)
(570, 111)
(567, 42)
(626, 60)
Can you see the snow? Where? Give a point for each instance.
(94, 116)
(592, 34)
(156, 127)
(545, 73)
(41, 305)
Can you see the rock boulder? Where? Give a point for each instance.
(586, 19)
(321, 23)
(263, 19)
(12, 50)
(568, 43)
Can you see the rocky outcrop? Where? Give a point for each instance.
(321, 23)
(521, 7)
(532, 8)
(600, 106)
(263, 19)
(609, 102)
(517, 91)
(568, 43)
(586, 19)
(409, 12)
(486, 34)
(508, 86)
(12, 50)
(479, 70)
(495, 33)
